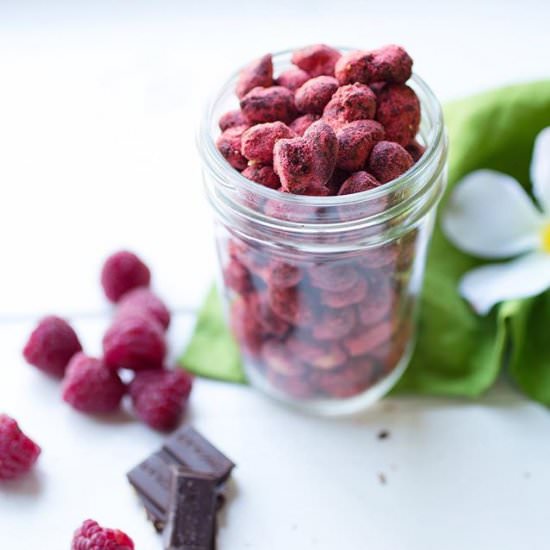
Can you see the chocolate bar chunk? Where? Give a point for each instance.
(151, 479)
(187, 449)
(192, 512)
(192, 450)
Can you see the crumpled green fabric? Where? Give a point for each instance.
(458, 353)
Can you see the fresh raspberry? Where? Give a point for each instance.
(159, 397)
(122, 272)
(18, 453)
(144, 301)
(91, 536)
(134, 342)
(51, 345)
(90, 387)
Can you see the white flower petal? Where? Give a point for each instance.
(540, 169)
(490, 215)
(526, 276)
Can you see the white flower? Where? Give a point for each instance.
(491, 216)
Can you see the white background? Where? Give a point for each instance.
(99, 103)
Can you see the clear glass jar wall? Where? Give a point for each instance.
(321, 292)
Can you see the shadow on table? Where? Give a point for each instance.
(30, 485)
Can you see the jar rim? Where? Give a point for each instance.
(233, 179)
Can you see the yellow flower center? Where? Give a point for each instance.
(545, 238)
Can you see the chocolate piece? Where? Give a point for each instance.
(187, 449)
(151, 479)
(192, 513)
(190, 449)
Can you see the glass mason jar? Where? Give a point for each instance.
(321, 292)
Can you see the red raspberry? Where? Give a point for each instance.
(143, 300)
(91, 536)
(18, 453)
(51, 345)
(159, 397)
(122, 272)
(134, 342)
(90, 387)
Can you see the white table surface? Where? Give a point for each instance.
(98, 108)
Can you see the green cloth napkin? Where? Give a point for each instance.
(458, 353)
